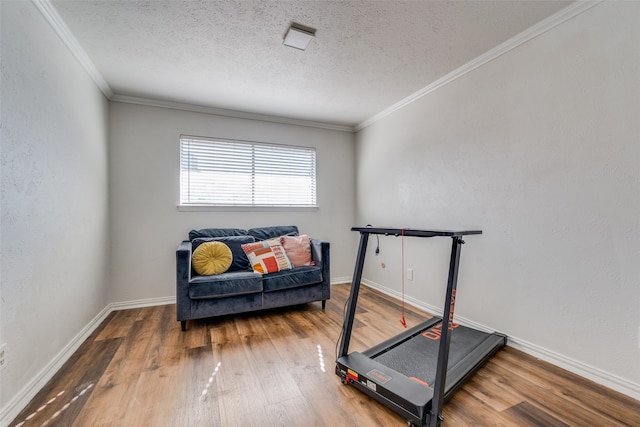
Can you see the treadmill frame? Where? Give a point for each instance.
(411, 407)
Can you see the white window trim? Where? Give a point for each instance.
(197, 207)
(244, 208)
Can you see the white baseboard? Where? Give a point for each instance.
(24, 396)
(423, 306)
(149, 302)
(340, 280)
(592, 373)
(11, 410)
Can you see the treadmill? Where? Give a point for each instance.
(415, 372)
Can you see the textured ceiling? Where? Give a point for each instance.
(366, 56)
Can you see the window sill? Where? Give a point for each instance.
(245, 208)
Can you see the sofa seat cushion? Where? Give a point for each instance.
(225, 285)
(286, 279)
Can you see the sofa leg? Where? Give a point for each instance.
(183, 325)
(324, 303)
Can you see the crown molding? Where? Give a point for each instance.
(543, 26)
(227, 113)
(53, 18)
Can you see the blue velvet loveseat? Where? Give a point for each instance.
(240, 289)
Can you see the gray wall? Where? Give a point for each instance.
(146, 226)
(54, 197)
(539, 148)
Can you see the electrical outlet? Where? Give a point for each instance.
(409, 273)
(3, 353)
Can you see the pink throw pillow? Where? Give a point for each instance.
(298, 249)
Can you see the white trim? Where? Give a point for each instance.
(592, 373)
(56, 22)
(423, 306)
(227, 113)
(148, 302)
(23, 397)
(53, 18)
(542, 27)
(28, 392)
(340, 280)
(20, 401)
(244, 208)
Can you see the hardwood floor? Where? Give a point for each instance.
(276, 368)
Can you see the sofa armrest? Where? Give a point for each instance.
(320, 253)
(183, 275)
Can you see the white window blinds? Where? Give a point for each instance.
(242, 173)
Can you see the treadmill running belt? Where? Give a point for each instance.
(417, 356)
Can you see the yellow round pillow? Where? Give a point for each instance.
(211, 258)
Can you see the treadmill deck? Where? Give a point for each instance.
(400, 372)
(416, 357)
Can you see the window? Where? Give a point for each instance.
(241, 173)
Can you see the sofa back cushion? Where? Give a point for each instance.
(216, 232)
(240, 260)
(264, 233)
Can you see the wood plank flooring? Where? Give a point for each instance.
(276, 368)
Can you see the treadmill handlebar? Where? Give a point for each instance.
(413, 232)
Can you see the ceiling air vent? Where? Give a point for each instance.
(299, 36)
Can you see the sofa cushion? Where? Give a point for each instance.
(216, 232)
(240, 260)
(225, 285)
(211, 258)
(299, 276)
(264, 233)
(267, 256)
(298, 249)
